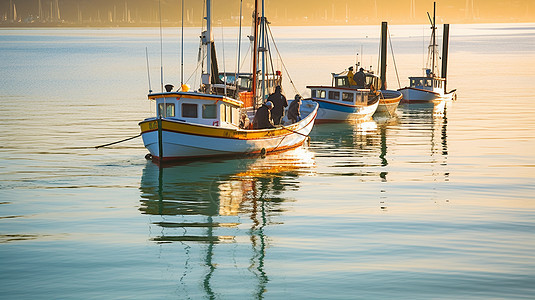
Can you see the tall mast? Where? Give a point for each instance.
(384, 41)
(209, 43)
(434, 38)
(263, 49)
(255, 50)
(445, 42)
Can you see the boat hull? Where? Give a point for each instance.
(388, 103)
(336, 112)
(414, 95)
(182, 140)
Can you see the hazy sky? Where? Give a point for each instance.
(280, 12)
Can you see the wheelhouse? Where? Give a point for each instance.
(427, 83)
(341, 80)
(340, 95)
(212, 110)
(228, 87)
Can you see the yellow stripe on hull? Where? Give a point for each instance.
(213, 131)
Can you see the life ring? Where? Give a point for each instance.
(215, 123)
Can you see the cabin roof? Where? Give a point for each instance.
(334, 88)
(425, 77)
(196, 96)
(344, 74)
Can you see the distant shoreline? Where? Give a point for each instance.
(171, 25)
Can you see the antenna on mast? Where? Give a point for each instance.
(182, 50)
(161, 45)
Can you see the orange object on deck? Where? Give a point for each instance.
(247, 99)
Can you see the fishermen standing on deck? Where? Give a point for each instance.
(279, 103)
(360, 79)
(294, 114)
(262, 118)
(350, 75)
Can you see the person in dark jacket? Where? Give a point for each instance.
(294, 114)
(262, 118)
(279, 103)
(360, 79)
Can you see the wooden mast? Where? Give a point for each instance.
(384, 41)
(208, 45)
(255, 52)
(445, 41)
(434, 38)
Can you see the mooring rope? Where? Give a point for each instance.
(127, 139)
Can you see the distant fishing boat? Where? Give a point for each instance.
(431, 87)
(345, 102)
(340, 102)
(206, 123)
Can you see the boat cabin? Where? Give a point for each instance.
(343, 93)
(428, 83)
(228, 81)
(340, 95)
(192, 107)
(341, 80)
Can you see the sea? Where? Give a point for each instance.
(427, 204)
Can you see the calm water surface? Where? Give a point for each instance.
(425, 205)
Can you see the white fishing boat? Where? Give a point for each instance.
(204, 123)
(342, 101)
(431, 87)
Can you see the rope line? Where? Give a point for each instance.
(127, 139)
(283, 64)
(393, 58)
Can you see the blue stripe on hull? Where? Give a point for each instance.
(340, 108)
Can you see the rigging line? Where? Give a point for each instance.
(194, 71)
(236, 76)
(224, 69)
(246, 54)
(148, 72)
(280, 57)
(378, 59)
(393, 58)
(270, 58)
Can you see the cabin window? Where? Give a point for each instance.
(228, 114)
(428, 82)
(342, 81)
(189, 110)
(334, 95)
(318, 94)
(235, 117)
(349, 97)
(209, 111)
(362, 97)
(166, 110)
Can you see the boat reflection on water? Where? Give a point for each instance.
(364, 149)
(430, 116)
(348, 149)
(222, 202)
(221, 188)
